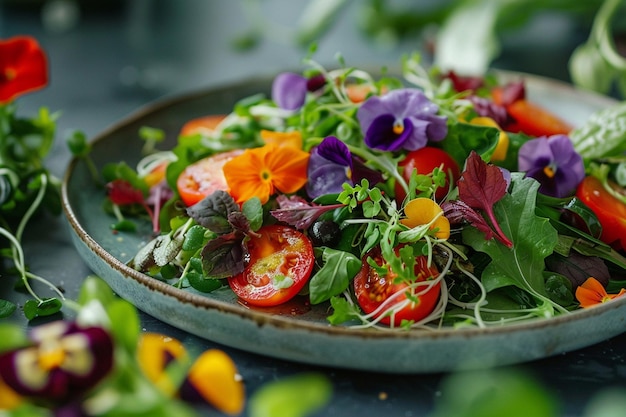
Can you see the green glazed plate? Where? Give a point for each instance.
(298, 332)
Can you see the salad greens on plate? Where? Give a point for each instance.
(424, 200)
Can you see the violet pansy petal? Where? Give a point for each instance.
(327, 179)
(437, 129)
(335, 150)
(378, 116)
(361, 171)
(324, 176)
(554, 163)
(419, 135)
(534, 154)
(289, 90)
(380, 133)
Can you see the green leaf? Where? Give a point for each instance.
(316, 18)
(78, 144)
(343, 311)
(334, 276)
(603, 134)
(294, 396)
(253, 210)
(125, 323)
(494, 393)
(197, 279)
(6, 308)
(95, 288)
(533, 240)
(194, 238)
(43, 308)
(469, 51)
(463, 138)
(12, 337)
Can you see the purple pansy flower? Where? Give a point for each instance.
(289, 89)
(63, 361)
(401, 119)
(554, 163)
(331, 164)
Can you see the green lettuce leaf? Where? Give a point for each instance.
(534, 238)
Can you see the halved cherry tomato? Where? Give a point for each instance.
(610, 211)
(535, 120)
(281, 261)
(372, 290)
(424, 160)
(204, 177)
(202, 125)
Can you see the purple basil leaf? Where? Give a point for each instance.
(213, 211)
(577, 268)
(224, 256)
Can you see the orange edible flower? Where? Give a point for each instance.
(154, 354)
(23, 67)
(215, 378)
(9, 399)
(259, 172)
(422, 211)
(592, 293)
(293, 138)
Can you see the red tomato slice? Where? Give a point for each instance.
(610, 211)
(372, 290)
(424, 160)
(534, 120)
(281, 261)
(204, 177)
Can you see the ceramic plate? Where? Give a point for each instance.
(296, 332)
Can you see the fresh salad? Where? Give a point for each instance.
(425, 200)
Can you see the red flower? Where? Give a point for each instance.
(23, 67)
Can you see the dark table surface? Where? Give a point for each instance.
(107, 62)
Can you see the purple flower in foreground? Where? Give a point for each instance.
(62, 362)
(331, 164)
(289, 90)
(401, 119)
(554, 163)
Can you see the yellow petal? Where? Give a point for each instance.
(215, 377)
(9, 399)
(153, 352)
(293, 138)
(420, 211)
(499, 154)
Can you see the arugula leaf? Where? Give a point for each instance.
(534, 238)
(343, 311)
(334, 276)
